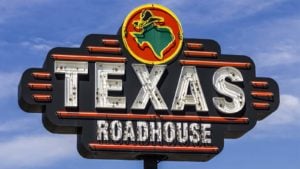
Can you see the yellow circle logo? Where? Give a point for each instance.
(152, 34)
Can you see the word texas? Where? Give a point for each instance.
(188, 91)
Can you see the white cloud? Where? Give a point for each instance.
(270, 43)
(35, 151)
(280, 39)
(211, 12)
(13, 8)
(288, 112)
(19, 125)
(9, 82)
(285, 55)
(10, 126)
(233, 9)
(44, 45)
(283, 123)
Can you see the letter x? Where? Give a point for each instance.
(149, 89)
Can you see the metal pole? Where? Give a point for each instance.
(150, 163)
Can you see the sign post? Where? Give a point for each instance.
(148, 92)
(150, 163)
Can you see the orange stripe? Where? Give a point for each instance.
(261, 105)
(210, 119)
(40, 86)
(202, 63)
(96, 115)
(64, 114)
(132, 147)
(88, 58)
(260, 84)
(41, 75)
(110, 42)
(42, 97)
(200, 54)
(262, 94)
(194, 46)
(102, 49)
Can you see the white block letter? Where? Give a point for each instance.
(228, 89)
(155, 132)
(116, 130)
(103, 85)
(189, 78)
(169, 132)
(71, 69)
(102, 133)
(149, 89)
(142, 131)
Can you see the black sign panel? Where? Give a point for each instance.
(122, 107)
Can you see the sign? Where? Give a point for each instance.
(148, 91)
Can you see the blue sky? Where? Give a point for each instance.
(267, 31)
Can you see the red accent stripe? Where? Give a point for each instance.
(260, 84)
(95, 115)
(210, 119)
(41, 75)
(132, 147)
(262, 94)
(110, 42)
(261, 105)
(88, 58)
(200, 54)
(194, 46)
(42, 97)
(102, 49)
(202, 63)
(40, 86)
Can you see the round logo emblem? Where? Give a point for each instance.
(152, 34)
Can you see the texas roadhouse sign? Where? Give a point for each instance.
(148, 91)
